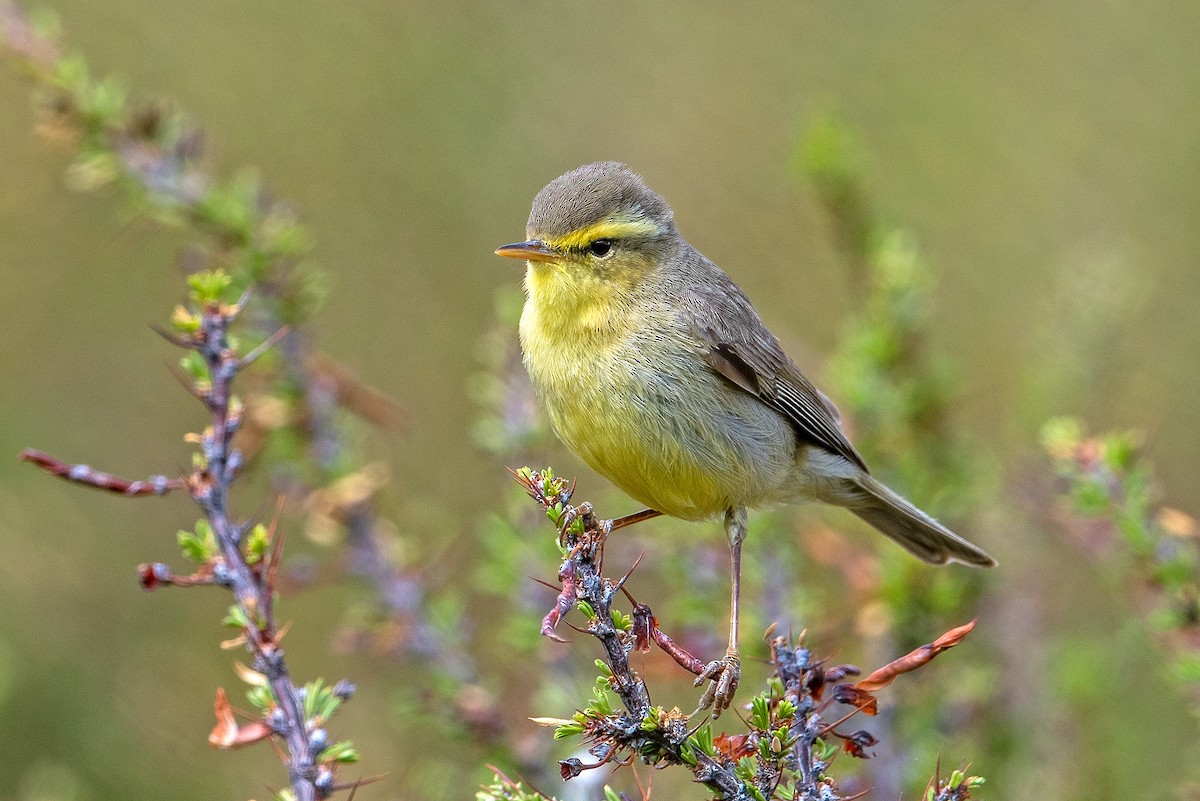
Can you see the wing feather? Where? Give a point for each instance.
(744, 351)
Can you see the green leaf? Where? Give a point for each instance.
(568, 730)
(319, 701)
(91, 171)
(193, 364)
(1090, 497)
(236, 618)
(602, 700)
(702, 741)
(621, 620)
(343, 751)
(825, 750)
(261, 697)
(1061, 436)
(184, 321)
(104, 104)
(760, 712)
(650, 721)
(192, 546)
(71, 73)
(208, 286)
(256, 544)
(1119, 451)
(200, 545)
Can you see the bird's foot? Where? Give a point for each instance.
(723, 676)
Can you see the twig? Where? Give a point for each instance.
(251, 588)
(82, 474)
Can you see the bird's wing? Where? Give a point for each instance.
(741, 349)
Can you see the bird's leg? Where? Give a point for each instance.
(724, 674)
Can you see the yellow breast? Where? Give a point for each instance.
(627, 391)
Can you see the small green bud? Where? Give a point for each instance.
(567, 730)
(343, 752)
(236, 618)
(256, 544)
(208, 286)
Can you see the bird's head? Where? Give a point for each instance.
(599, 223)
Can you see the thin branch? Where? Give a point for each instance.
(89, 477)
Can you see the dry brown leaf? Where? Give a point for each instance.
(227, 733)
(913, 659)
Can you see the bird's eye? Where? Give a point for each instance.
(600, 248)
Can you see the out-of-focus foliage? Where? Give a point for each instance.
(1113, 511)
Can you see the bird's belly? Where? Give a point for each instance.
(669, 432)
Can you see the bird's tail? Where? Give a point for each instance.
(915, 531)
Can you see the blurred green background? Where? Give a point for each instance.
(1044, 155)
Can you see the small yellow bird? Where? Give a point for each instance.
(657, 372)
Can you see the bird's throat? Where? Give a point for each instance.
(567, 305)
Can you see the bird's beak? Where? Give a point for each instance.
(533, 250)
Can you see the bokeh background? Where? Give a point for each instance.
(1044, 156)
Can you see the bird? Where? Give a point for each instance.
(655, 369)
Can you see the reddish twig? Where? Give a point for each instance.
(89, 477)
(645, 630)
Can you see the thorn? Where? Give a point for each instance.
(276, 548)
(186, 383)
(698, 725)
(545, 583)
(263, 347)
(241, 304)
(172, 338)
(354, 785)
(620, 585)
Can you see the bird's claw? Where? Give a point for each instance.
(723, 676)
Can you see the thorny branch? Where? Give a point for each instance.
(235, 562)
(258, 238)
(789, 746)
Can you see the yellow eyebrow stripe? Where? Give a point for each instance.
(605, 229)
